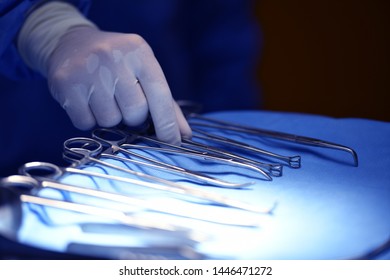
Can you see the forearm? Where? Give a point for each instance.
(43, 29)
(13, 14)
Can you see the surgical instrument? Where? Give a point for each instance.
(214, 123)
(18, 189)
(191, 111)
(81, 150)
(53, 172)
(274, 169)
(183, 150)
(108, 136)
(292, 161)
(144, 252)
(85, 149)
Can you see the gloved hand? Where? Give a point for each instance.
(99, 77)
(104, 78)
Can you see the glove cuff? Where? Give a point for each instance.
(43, 29)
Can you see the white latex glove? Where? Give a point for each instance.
(104, 78)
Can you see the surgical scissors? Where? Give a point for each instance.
(191, 109)
(116, 138)
(53, 172)
(20, 188)
(187, 151)
(86, 149)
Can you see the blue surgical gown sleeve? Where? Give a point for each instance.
(12, 16)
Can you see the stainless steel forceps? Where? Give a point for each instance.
(85, 150)
(117, 140)
(187, 150)
(292, 161)
(190, 110)
(19, 189)
(52, 172)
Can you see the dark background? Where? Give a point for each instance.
(326, 57)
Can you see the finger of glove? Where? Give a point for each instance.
(102, 100)
(75, 103)
(131, 101)
(185, 129)
(159, 97)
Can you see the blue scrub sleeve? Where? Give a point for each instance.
(12, 16)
